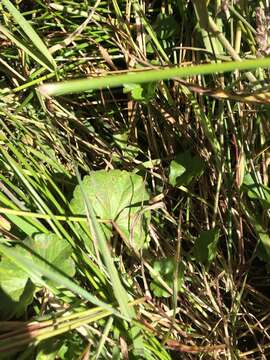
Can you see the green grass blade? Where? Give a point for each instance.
(29, 31)
(105, 333)
(150, 31)
(75, 86)
(119, 291)
(24, 47)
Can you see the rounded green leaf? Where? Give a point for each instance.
(16, 289)
(116, 196)
(16, 286)
(55, 250)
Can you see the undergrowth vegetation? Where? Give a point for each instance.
(134, 179)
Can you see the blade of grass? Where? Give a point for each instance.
(105, 333)
(42, 216)
(42, 330)
(30, 32)
(20, 44)
(120, 293)
(150, 31)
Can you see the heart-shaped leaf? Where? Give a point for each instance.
(116, 196)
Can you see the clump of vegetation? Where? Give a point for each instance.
(134, 178)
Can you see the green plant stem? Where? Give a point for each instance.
(76, 86)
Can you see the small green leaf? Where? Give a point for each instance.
(122, 141)
(143, 92)
(256, 190)
(149, 90)
(166, 270)
(263, 249)
(205, 248)
(185, 168)
(136, 91)
(116, 196)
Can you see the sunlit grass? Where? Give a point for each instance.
(133, 86)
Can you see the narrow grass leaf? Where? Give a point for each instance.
(150, 31)
(119, 291)
(20, 44)
(29, 31)
(105, 333)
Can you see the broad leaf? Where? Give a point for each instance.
(205, 247)
(259, 192)
(185, 168)
(116, 196)
(16, 286)
(166, 269)
(263, 249)
(54, 250)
